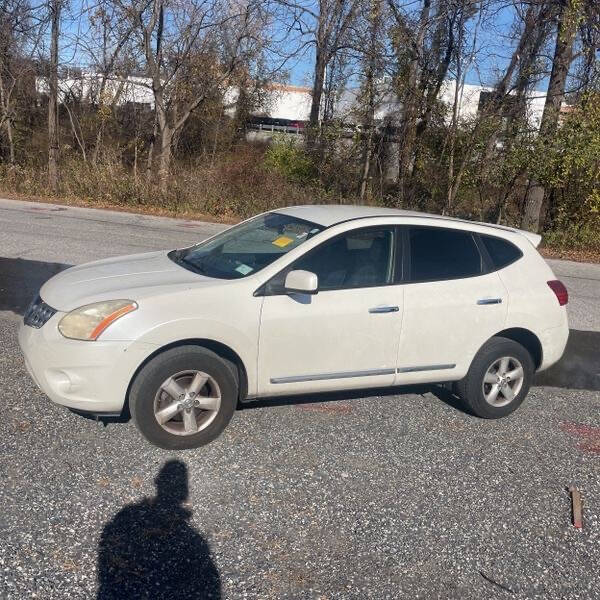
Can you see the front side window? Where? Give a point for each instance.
(359, 258)
(248, 247)
(438, 254)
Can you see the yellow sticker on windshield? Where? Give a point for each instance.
(282, 241)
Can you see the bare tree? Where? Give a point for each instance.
(443, 49)
(325, 26)
(14, 26)
(426, 43)
(411, 39)
(491, 115)
(54, 9)
(569, 12)
(109, 48)
(373, 70)
(191, 50)
(462, 67)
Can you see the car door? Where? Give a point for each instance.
(453, 303)
(347, 334)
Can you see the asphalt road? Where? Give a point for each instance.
(385, 494)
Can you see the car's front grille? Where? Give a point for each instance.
(37, 313)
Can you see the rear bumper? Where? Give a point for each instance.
(87, 376)
(554, 342)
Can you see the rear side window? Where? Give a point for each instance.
(438, 254)
(502, 253)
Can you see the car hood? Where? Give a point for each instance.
(124, 277)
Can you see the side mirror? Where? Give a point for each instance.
(303, 282)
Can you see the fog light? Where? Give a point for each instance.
(60, 381)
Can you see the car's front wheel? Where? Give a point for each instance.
(184, 397)
(498, 380)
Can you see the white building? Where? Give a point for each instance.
(287, 102)
(86, 87)
(293, 103)
(281, 101)
(470, 100)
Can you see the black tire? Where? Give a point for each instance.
(471, 388)
(163, 366)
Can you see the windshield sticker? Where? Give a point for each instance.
(244, 269)
(282, 241)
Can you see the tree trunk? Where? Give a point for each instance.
(164, 165)
(441, 73)
(369, 120)
(452, 191)
(534, 199)
(215, 143)
(79, 139)
(534, 21)
(98, 143)
(315, 104)
(150, 162)
(410, 104)
(368, 151)
(11, 143)
(53, 148)
(563, 56)
(135, 161)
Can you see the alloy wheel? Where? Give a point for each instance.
(187, 402)
(503, 381)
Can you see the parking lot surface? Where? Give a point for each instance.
(381, 494)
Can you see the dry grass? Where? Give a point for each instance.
(238, 185)
(577, 255)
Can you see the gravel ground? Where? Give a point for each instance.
(385, 494)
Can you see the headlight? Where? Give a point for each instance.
(88, 322)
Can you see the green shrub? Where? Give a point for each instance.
(574, 235)
(291, 160)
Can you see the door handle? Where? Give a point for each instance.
(484, 301)
(383, 309)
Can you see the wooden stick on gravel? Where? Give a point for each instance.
(577, 507)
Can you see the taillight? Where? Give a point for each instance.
(559, 290)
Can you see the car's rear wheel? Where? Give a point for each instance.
(498, 380)
(184, 397)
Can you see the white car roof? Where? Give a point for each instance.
(332, 214)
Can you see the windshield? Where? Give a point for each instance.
(246, 248)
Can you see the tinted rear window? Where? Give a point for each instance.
(502, 252)
(443, 254)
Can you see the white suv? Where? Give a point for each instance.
(300, 300)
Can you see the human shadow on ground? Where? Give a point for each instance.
(149, 549)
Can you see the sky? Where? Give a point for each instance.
(493, 49)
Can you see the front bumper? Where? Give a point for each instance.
(87, 376)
